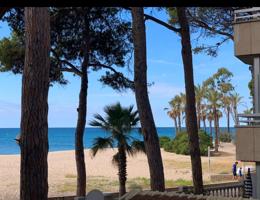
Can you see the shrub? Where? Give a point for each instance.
(225, 137)
(163, 140)
(168, 146)
(180, 144)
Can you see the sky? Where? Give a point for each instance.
(165, 70)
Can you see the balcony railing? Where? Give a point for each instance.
(248, 14)
(248, 120)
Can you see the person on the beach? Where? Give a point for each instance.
(234, 170)
(240, 173)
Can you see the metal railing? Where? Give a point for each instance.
(248, 119)
(248, 14)
(231, 189)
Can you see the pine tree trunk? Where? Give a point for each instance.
(122, 171)
(34, 115)
(191, 118)
(82, 115)
(198, 109)
(216, 129)
(149, 131)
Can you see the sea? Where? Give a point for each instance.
(62, 139)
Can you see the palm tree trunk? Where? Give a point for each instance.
(179, 122)
(176, 126)
(149, 131)
(204, 124)
(34, 115)
(228, 120)
(191, 118)
(210, 126)
(82, 114)
(122, 171)
(216, 129)
(235, 112)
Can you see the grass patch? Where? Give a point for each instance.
(70, 176)
(111, 185)
(67, 187)
(177, 164)
(182, 182)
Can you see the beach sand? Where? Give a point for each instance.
(62, 169)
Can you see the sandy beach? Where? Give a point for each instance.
(62, 169)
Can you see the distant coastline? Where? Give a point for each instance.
(62, 139)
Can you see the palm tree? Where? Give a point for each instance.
(203, 115)
(210, 118)
(199, 94)
(118, 122)
(226, 104)
(213, 98)
(219, 115)
(173, 114)
(177, 103)
(235, 100)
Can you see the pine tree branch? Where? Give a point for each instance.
(158, 21)
(72, 68)
(172, 28)
(206, 26)
(111, 69)
(3, 10)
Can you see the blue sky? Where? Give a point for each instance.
(165, 69)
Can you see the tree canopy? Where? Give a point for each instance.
(110, 43)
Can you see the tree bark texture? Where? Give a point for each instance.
(34, 112)
(204, 125)
(191, 118)
(198, 120)
(210, 126)
(149, 131)
(179, 122)
(216, 128)
(122, 170)
(82, 115)
(228, 120)
(176, 126)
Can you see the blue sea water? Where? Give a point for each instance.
(61, 139)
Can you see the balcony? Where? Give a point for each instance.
(248, 137)
(246, 34)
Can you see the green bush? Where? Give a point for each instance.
(180, 144)
(168, 146)
(225, 137)
(163, 140)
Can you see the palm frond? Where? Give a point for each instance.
(138, 146)
(101, 143)
(129, 150)
(115, 159)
